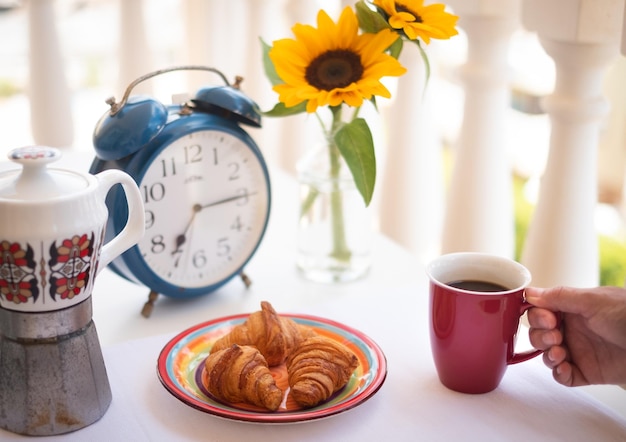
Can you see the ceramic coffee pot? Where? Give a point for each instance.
(52, 224)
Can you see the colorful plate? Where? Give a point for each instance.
(181, 364)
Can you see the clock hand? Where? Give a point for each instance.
(182, 238)
(227, 200)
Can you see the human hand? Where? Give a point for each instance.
(590, 346)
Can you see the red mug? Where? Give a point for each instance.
(474, 321)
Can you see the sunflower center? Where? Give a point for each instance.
(334, 69)
(402, 8)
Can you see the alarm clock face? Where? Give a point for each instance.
(206, 198)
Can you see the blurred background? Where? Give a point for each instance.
(102, 45)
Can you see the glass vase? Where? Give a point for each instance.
(334, 226)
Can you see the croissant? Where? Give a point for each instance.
(273, 335)
(240, 374)
(319, 367)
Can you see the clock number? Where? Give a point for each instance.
(243, 193)
(155, 192)
(157, 244)
(199, 259)
(215, 156)
(234, 168)
(223, 248)
(172, 168)
(237, 224)
(177, 254)
(193, 154)
(149, 219)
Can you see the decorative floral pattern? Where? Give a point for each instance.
(18, 282)
(70, 265)
(64, 274)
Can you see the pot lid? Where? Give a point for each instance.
(34, 181)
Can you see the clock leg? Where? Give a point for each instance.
(146, 311)
(246, 280)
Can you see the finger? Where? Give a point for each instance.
(563, 374)
(535, 337)
(547, 361)
(544, 339)
(556, 355)
(564, 299)
(576, 377)
(541, 318)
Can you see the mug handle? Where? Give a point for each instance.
(135, 224)
(529, 354)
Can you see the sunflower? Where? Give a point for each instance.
(418, 20)
(332, 64)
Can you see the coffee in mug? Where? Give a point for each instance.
(476, 301)
(477, 286)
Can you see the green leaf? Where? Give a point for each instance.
(369, 20)
(268, 66)
(280, 110)
(372, 21)
(354, 141)
(396, 48)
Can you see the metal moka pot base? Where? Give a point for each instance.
(51, 384)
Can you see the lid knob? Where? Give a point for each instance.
(34, 157)
(34, 161)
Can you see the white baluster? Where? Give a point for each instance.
(268, 20)
(217, 35)
(623, 47)
(410, 204)
(582, 37)
(298, 133)
(611, 152)
(135, 53)
(50, 100)
(198, 27)
(479, 213)
(262, 18)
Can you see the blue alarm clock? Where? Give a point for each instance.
(204, 182)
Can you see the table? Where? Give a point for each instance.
(390, 306)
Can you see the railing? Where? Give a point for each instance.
(582, 37)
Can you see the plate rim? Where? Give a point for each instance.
(271, 417)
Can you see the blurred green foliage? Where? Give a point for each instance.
(7, 88)
(612, 261)
(523, 214)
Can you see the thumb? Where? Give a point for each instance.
(558, 299)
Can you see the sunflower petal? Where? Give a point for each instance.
(306, 63)
(418, 21)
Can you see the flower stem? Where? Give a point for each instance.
(340, 250)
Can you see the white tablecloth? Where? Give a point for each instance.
(390, 306)
(411, 405)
